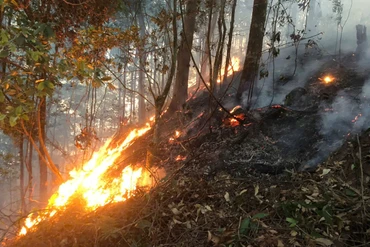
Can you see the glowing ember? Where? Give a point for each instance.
(180, 158)
(327, 79)
(235, 109)
(356, 118)
(177, 133)
(233, 122)
(90, 184)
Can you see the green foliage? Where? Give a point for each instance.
(37, 54)
(251, 223)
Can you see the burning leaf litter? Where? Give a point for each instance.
(327, 79)
(89, 183)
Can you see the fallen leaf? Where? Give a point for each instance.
(324, 172)
(242, 192)
(227, 197)
(280, 243)
(213, 238)
(256, 189)
(293, 233)
(324, 241)
(175, 211)
(273, 231)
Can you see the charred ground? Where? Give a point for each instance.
(279, 177)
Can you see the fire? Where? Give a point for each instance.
(177, 135)
(238, 107)
(90, 183)
(180, 158)
(327, 79)
(233, 66)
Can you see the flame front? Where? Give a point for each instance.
(233, 66)
(89, 183)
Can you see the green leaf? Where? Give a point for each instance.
(49, 84)
(350, 192)
(41, 86)
(259, 216)
(18, 110)
(292, 222)
(20, 40)
(2, 117)
(48, 32)
(34, 55)
(4, 37)
(244, 226)
(25, 117)
(13, 121)
(4, 53)
(2, 96)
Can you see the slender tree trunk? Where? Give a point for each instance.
(160, 100)
(133, 79)
(254, 51)
(42, 164)
(180, 93)
(206, 46)
(30, 172)
(230, 40)
(21, 175)
(142, 62)
(124, 91)
(220, 46)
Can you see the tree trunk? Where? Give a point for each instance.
(180, 91)
(220, 47)
(21, 175)
(124, 91)
(42, 163)
(30, 172)
(160, 100)
(229, 42)
(254, 51)
(133, 79)
(207, 40)
(142, 62)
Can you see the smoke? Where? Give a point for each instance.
(347, 116)
(333, 31)
(284, 74)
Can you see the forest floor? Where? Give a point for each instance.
(280, 177)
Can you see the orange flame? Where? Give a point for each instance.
(233, 66)
(90, 184)
(327, 79)
(180, 158)
(177, 135)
